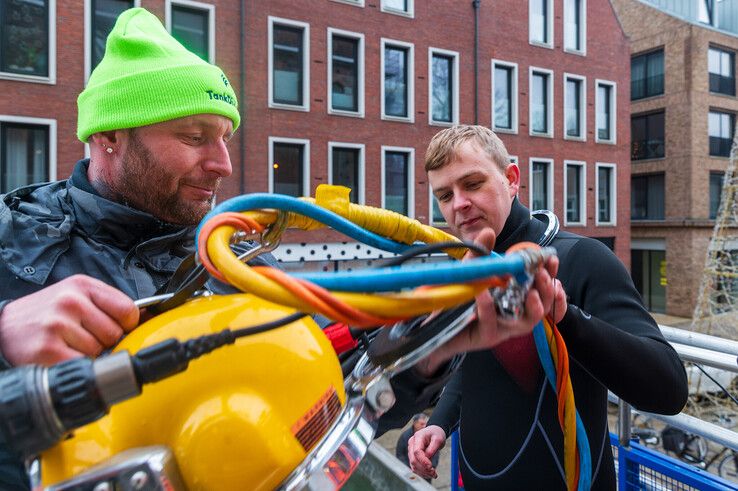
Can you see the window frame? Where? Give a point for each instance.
(582, 192)
(305, 106)
(647, 115)
(549, 102)
(431, 200)
(410, 177)
(613, 194)
(192, 4)
(582, 34)
(305, 161)
(410, 62)
(582, 106)
(732, 121)
(613, 110)
(355, 3)
(650, 188)
(732, 56)
(646, 54)
(549, 25)
(549, 181)
(51, 78)
(409, 13)
(361, 166)
(360, 72)
(711, 174)
(513, 97)
(454, 87)
(51, 123)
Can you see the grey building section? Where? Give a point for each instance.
(720, 14)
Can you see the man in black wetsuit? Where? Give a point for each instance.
(507, 413)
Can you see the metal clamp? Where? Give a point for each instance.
(268, 240)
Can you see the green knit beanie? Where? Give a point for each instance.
(147, 77)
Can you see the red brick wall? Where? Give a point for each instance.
(444, 24)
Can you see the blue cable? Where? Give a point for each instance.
(258, 201)
(395, 278)
(544, 354)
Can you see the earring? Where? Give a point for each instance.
(109, 149)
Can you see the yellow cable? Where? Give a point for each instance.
(393, 305)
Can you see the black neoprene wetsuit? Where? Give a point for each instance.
(510, 438)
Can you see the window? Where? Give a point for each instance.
(605, 107)
(444, 86)
(398, 180)
(28, 40)
(716, 192)
(437, 218)
(541, 102)
(398, 91)
(27, 151)
(289, 67)
(721, 66)
(720, 128)
(289, 166)
(504, 96)
(648, 269)
(605, 196)
(346, 168)
(346, 73)
(647, 75)
(575, 193)
(193, 24)
(647, 136)
(705, 10)
(575, 107)
(575, 25)
(102, 17)
(540, 22)
(541, 184)
(400, 7)
(647, 197)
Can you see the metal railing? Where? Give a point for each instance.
(640, 467)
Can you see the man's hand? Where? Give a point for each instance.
(421, 448)
(79, 316)
(545, 297)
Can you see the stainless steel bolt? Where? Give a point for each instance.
(139, 480)
(385, 399)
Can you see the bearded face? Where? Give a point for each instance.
(152, 185)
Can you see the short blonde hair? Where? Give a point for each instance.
(444, 145)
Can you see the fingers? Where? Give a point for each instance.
(77, 316)
(80, 340)
(422, 446)
(560, 302)
(115, 304)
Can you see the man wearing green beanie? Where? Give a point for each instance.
(74, 253)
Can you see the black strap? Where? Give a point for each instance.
(186, 280)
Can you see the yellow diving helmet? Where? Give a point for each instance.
(268, 411)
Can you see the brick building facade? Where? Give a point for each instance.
(351, 91)
(683, 113)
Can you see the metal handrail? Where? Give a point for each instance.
(699, 340)
(697, 348)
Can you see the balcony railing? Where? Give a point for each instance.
(646, 87)
(720, 84)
